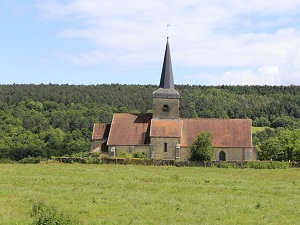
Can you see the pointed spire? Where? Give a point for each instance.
(166, 86)
(166, 79)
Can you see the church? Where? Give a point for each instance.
(164, 135)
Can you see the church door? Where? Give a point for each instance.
(222, 156)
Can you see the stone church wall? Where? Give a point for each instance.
(172, 112)
(99, 146)
(165, 148)
(250, 154)
(236, 154)
(130, 149)
(184, 153)
(232, 154)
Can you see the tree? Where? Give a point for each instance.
(54, 142)
(284, 121)
(285, 146)
(202, 148)
(270, 149)
(261, 122)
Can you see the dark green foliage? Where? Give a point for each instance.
(55, 120)
(265, 135)
(100, 101)
(267, 165)
(261, 122)
(44, 214)
(92, 160)
(93, 155)
(7, 161)
(226, 165)
(162, 162)
(30, 160)
(23, 134)
(285, 146)
(285, 121)
(202, 149)
(140, 155)
(124, 155)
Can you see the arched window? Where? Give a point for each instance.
(222, 156)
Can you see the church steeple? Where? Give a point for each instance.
(166, 85)
(166, 98)
(166, 79)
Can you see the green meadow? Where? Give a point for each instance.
(127, 194)
(257, 129)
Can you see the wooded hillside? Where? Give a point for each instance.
(57, 119)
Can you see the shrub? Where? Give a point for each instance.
(45, 214)
(30, 160)
(7, 161)
(267, 165)
(202, 149)
(95, 155)
(92, 160)
(139, 155)
(226, 165)
(124, 155)
(84, 154)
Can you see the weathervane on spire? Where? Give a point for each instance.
(168, 31)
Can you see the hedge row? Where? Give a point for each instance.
(120, 161)
(163, 162)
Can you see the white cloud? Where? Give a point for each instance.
(208, 33)
(290, 70)
(261, 76)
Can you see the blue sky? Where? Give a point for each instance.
(213, 42)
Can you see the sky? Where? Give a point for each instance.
(212, 42)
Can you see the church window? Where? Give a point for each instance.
(222, 156)
(165, 147)
(166, 108)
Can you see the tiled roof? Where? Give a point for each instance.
(225, 132)
(165, 128)
(100, 131)
(134, 129)
(130, 129)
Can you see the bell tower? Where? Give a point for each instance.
(166, 98)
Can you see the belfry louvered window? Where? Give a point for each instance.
(166, 108)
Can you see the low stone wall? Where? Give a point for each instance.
(120, 161)
(164, 162)
(149, 162)
(295, 164)
(69, 159)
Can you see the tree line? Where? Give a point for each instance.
(51, 119)
(255, 102)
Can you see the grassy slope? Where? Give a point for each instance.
(257, 129)
(115, 194)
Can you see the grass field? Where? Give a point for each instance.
(116, 194)
(257, 129)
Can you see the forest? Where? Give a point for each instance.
(54, 120)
